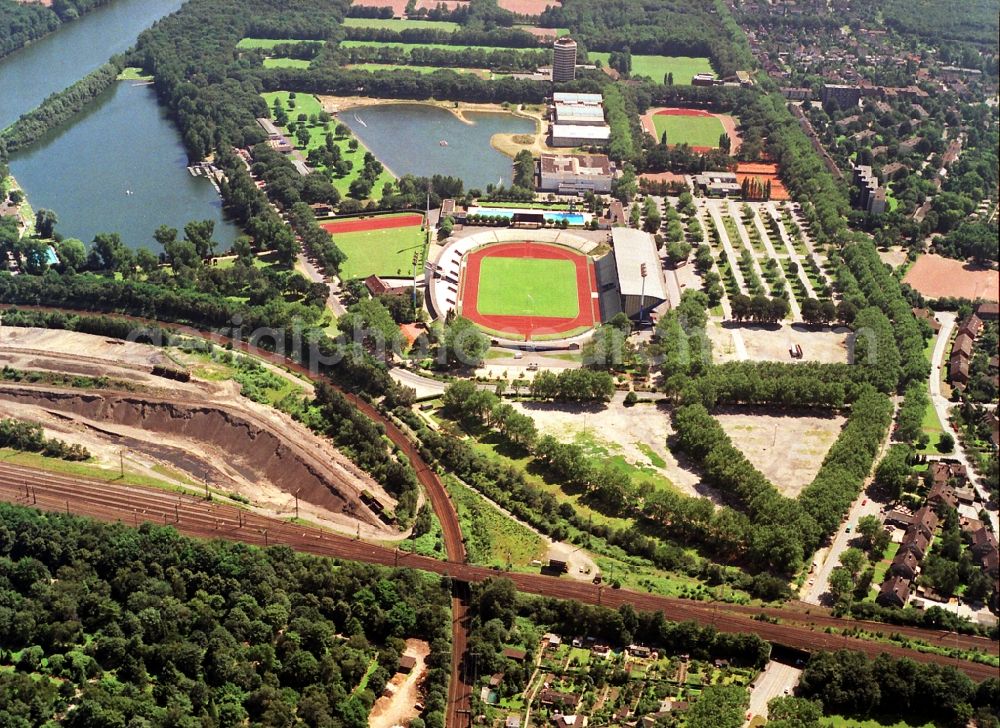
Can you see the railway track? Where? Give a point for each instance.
(221, 521)
(207, 519)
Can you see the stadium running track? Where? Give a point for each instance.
(385, 222)
(201, 518)
(589, 307)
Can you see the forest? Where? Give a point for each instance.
(111, 626)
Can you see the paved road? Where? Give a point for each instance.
(777, 679)
(863, 506)
(943, 407)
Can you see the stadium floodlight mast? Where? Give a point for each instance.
(642, 297)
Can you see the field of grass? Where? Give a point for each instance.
(372, 67)
(931, 425)
(491, 536)
(698, 131)
(285, 63)
(309, 105)
(131, 73)
(528, 287)
(657, 67)
(839, 721)
(268, 43)
(381, 252)
(399, 24)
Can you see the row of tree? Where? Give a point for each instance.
(29, 437)
(60, 107)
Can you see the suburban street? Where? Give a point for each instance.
(863, 506)
(943, 406)
(774, 681)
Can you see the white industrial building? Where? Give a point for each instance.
(580, 114)
(575, 173)
(574, 135)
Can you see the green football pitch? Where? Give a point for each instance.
(698, 131)
(386, 253)
(527, 287)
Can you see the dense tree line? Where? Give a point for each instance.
(909, 420)
(850, 684)
(295, 324)
(864, 277)
(29, 437)
(780, 384)
(114, 626)
(784, 532)
(495, 37)
(624, 626)
(499, 59)
(365, 443)
(573, 385)
(60, 107)
(848, 462)
(404, 84)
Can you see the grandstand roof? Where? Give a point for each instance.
(633, 248)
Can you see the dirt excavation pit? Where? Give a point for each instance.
(771, 343)
(787, 448)
(398, 703)
(186, 442)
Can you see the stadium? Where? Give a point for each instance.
(547, 286)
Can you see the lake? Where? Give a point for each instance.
(122, 143)
(62, 58)
(406, 139)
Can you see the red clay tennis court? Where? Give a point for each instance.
(378, 222)
(528, 327)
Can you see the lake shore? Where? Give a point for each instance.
(503, 142)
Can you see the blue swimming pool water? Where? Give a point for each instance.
(573, 218)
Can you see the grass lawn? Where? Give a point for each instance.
(309, 105)
(381, 252)
(657, 67)
(285, 63)
(271, 42)
(399, 24)
(839, 721)
(883, 565)
(131, 73)
(698, 131)
(372, 67)
(492, 537)
(931, 424)
(528, 287)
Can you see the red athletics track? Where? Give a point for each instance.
(384, 222)
(586, 284)
(728, 124)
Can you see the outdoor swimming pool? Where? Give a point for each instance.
(572, 218)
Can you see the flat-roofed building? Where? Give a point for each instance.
(576, 135)
(582, 114)
(718, 184)
(635, 254)
(575, 173)
(569, 97)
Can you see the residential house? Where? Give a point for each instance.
(915, 540)
(926, 520)
(942, 494)
(548, 696)
(927, 315)
(962, 346)
(570, 721)
(958, 371)
(971, 326)
(904, 564)
(514, 653)
(894, 592)
(988, 311)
